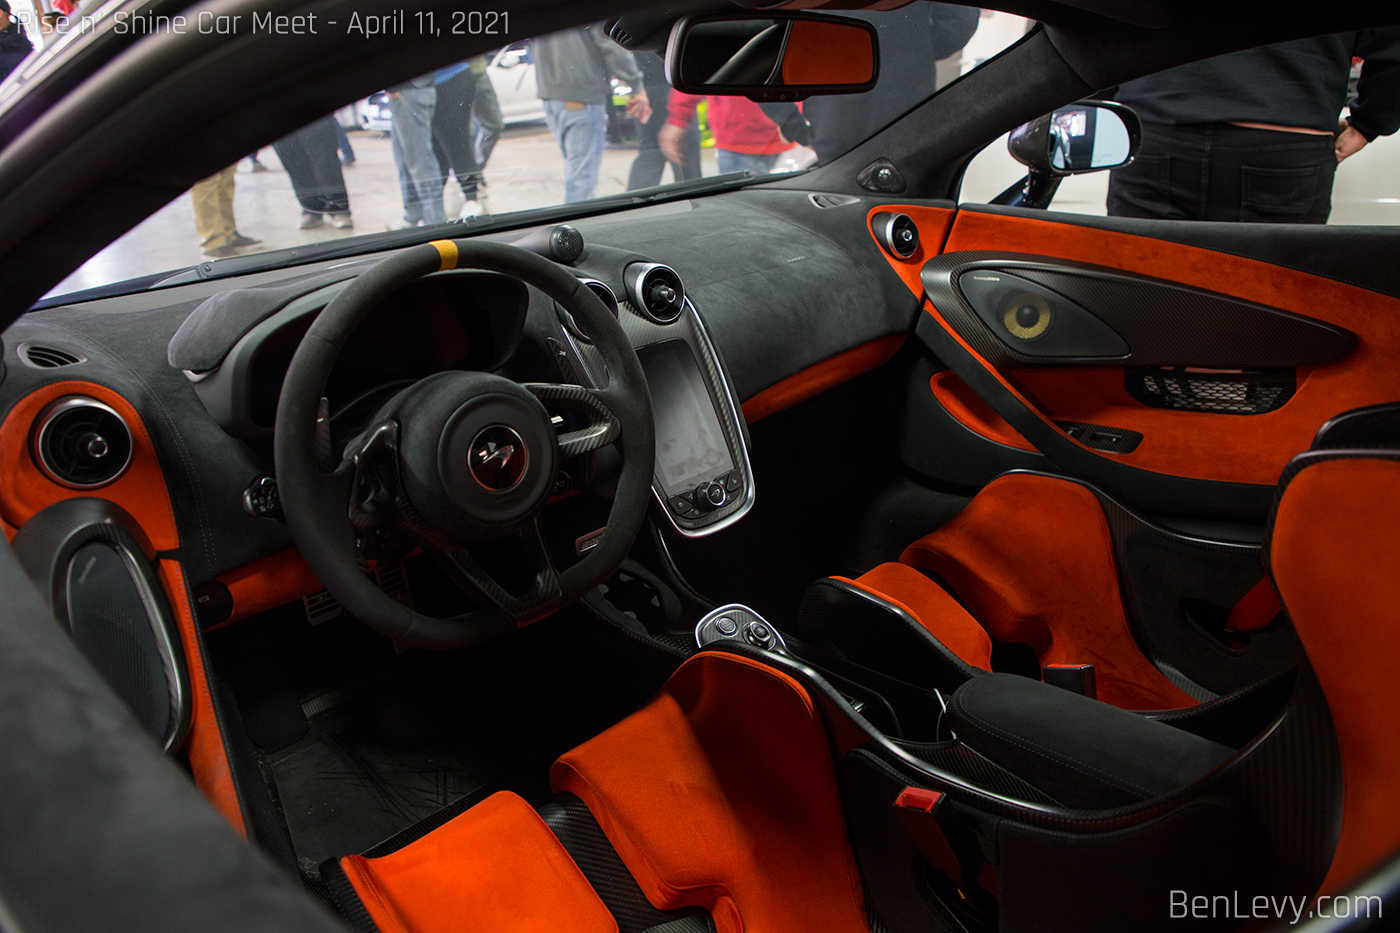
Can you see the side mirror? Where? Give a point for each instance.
(1088, 136)
(772, 56)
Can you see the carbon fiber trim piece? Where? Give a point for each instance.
(1164, 324)
(689, 327)
(347, 901)
(959, 759)
(584, 840)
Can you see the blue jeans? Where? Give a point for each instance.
(582, 134)
(730, 161)
(420, 176)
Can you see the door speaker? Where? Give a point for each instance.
(1035, 322)
(84, 557)
(1026, 316)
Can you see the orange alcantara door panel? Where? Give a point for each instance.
(1226, 448)
(142, 492)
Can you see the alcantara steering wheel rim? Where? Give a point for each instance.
(318, 505)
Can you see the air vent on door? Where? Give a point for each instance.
(81, 443)
(42, 357)
(656, 291)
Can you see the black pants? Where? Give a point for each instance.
(1219, 171)
(650, 163)
(312, 163)
(453, 142)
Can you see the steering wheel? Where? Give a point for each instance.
(458, 459)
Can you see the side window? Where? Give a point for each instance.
(1299, 132)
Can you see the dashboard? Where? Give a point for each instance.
(746, 313)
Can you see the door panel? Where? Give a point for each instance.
(1187, 460)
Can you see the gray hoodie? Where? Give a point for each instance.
(575, 65)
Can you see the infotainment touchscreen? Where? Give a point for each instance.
(690, 444)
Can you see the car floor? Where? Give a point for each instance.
(359, 742)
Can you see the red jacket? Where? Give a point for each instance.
(737, 122)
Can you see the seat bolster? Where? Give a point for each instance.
(494, 869)
(1031, 557)
(1334, 553)
(721, 793)
(896, 621)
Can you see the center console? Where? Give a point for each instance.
(703, 481)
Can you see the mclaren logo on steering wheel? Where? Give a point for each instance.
(498, 458)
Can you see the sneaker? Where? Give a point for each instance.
(470, 209)
(309, 221)
(221, 252)
(242, 242)
(404, 224)
(342, 221)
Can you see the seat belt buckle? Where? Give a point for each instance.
(918, 811)
(1076, 678)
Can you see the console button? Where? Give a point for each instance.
(759, 635)
(682, 505)
(733, 482)
(726, 626)
(710, 496)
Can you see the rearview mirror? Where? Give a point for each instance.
(1089, 136)
(772, 56)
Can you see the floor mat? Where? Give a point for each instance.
(363, 742)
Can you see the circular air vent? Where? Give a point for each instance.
(656, 291)
(81, 443)
(897, 233)
(605, 295)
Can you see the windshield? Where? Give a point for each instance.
(538, 123)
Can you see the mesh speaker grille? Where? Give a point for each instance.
(110, 625)
(1239, 392)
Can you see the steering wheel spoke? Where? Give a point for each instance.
(372, 462)
(545, 593)
(603, 426)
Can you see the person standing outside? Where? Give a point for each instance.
(14, 44)
(454, 144)
(313, 164)
(651, 162)
(487, 120)
(572, 72)
(411, 108)
(746, 140)
(213, 216)
(1254, 135)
